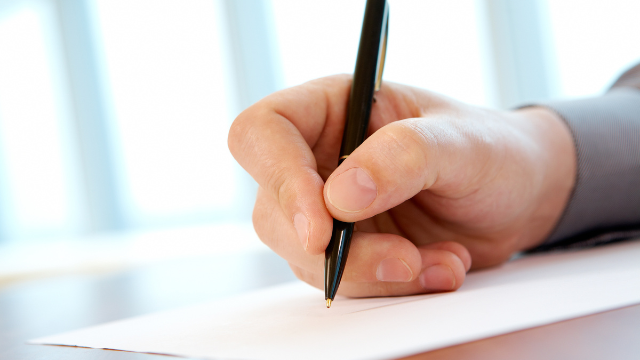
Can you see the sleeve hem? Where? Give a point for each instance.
(606, 133)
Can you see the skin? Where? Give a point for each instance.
(438, 188)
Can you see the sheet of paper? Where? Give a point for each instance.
(291, 321)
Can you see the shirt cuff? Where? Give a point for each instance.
(606, 197)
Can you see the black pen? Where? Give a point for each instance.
(367, 79)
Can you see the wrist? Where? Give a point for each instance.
(558, 165)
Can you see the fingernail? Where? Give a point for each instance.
(352, 191)
(393, 270)
(301, 224)
(437, 277)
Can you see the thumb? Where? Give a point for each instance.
(399, 160)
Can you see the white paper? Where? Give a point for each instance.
(292, 322)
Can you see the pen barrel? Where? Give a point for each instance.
(364, 76)
(368, 63)
(335, 256)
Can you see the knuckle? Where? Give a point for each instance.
(286, 182)
(261, 218)
(408, 147)
(276, 181)
(256, 218)
(238, 132)
(233, 139)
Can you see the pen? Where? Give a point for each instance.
(367, 78)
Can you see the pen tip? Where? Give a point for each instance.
(328, 303)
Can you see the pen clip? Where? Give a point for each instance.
(382, 53)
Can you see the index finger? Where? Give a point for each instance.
(273, 141)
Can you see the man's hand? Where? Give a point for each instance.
(437, 185)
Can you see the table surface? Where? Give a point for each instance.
(49, 306)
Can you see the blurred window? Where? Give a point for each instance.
(436, 45)
(166, 73)
(38, 187)
(594, 42)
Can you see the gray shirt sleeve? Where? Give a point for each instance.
(605, 204)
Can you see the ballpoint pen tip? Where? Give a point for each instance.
(328, 303)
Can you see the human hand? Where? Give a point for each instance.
(437, 185)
